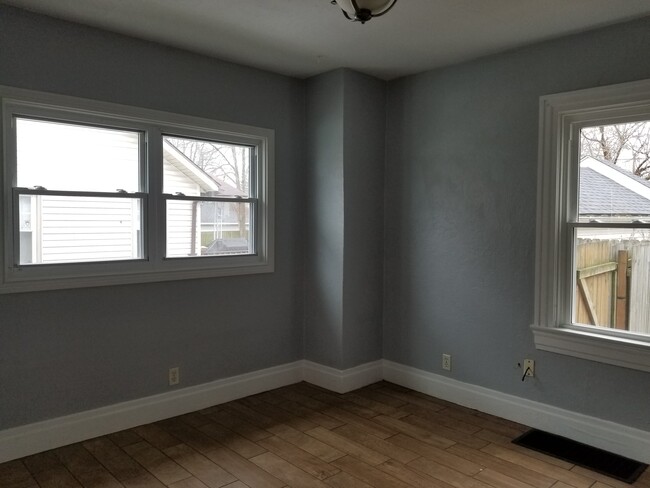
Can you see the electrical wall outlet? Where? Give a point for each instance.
(174, 376)
(446, 362)
(529, 367)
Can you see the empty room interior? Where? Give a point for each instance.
(280, 225)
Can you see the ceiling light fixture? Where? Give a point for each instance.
(364, 10)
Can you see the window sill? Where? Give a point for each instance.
(21, 284)
(628, 353)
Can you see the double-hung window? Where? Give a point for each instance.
(97, 194)
(592, 295)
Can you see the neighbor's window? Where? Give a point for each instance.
(593, 242)
(99, 194)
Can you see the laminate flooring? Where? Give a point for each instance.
(381, 436)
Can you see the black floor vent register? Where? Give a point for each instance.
(603, 462)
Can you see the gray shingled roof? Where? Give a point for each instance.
(636, 178)
(601, 196)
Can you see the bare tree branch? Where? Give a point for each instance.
(626, 145)
(227, 163)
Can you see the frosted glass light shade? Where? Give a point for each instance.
(364, 10)
(376, 7)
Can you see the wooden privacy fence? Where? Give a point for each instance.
(612, 281)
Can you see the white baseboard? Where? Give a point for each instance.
(342, 381)
(49, 434)
(619, 439)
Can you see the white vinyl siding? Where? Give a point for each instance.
(179, 214)
(100, 229)
(88, 229)
(179, 229)
(179, 181)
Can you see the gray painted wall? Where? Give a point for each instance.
(364, 129)
(460, 200)
(67, 351)
(459, 224)
(343, 311)
(323, 333)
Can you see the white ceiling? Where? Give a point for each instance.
(306, 37)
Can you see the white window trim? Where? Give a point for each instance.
(155, 267)
(561, 118)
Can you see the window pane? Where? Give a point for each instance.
(613, 265)
(614, 173)
(60, 156)
(26, 245)
(208, 228)
(613, 278)
(195, 167)
(25, 208)
(80, 229)
(25, 224)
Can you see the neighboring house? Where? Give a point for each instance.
(56, 229)
(608, 193)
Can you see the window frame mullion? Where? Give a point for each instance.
(153, 163)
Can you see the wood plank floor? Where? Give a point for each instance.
(303, 436)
